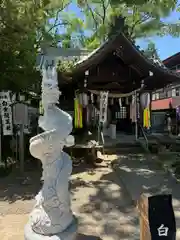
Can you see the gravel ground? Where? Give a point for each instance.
(103, 207)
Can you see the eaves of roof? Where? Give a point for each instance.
(132, 56)
(171, 58)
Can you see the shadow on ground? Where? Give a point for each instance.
(107, 209)
(103, 207)
(14, 187)
(145, 175)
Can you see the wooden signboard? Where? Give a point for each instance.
(6, 113)
(157, 220)
(20, 114)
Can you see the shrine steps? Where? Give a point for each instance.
(124, 148)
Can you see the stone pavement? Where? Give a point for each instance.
(103, 207)
(142, 174)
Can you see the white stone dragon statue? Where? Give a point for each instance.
(52, 218)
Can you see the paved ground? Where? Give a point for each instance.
(143, 174)
(103, 207)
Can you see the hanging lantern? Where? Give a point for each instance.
(145, 100)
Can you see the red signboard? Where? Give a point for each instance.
(165, 103)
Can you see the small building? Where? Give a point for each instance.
(165, 100)
(169, 97)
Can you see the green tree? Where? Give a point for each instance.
(143, 20)
(151, 51)
(24, 28)
(138, 2)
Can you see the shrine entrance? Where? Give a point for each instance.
(121, 116)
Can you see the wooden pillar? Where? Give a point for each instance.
(157, 220)
(138, 113)
(136, 123)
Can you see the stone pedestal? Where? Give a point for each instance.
(52, 218)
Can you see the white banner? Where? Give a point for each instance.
(103, 107)
(6, 113)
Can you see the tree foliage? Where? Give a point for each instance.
(26, 26)
(143, 20)
(18, 24)
(151, 51)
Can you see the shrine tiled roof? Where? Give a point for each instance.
(132, 56)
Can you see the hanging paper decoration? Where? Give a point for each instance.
(98, 98)
(103, 107)
(6, 113)
(77, 114)
(13, 98)
(133, 109)
(145, 100)
(145, 103)
(146, 118)
(85, 99)
(178, 113)
(120, 102)
(80, 99)
(127, 100)
(133, 99)
(92, 98)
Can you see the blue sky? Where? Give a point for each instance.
(166, 46)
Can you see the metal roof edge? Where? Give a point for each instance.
(172, 57)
